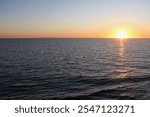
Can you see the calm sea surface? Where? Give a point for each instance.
(74, 69)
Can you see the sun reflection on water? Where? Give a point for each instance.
(122, 71)
(121, 50)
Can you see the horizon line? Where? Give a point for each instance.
(71, 38)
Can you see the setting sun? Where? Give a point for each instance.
(122, 35)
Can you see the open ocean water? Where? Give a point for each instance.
(74, 69)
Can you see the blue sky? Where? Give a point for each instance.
(70, 18)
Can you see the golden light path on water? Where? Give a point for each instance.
(122, 71)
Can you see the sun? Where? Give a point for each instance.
(122, 35)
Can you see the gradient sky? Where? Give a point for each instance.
(74, 18)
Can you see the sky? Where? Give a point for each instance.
(74, 18)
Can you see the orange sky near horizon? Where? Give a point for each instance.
(74, 19)
(96, 32)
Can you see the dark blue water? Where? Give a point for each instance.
(74, 69)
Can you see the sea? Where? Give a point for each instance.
(74, 69)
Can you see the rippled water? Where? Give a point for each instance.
(74, 69)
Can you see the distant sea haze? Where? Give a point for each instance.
(74, 69)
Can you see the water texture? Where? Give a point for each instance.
(74, 69)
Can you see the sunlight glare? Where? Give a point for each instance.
(122, 35)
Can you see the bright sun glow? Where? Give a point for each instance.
(122, 35)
